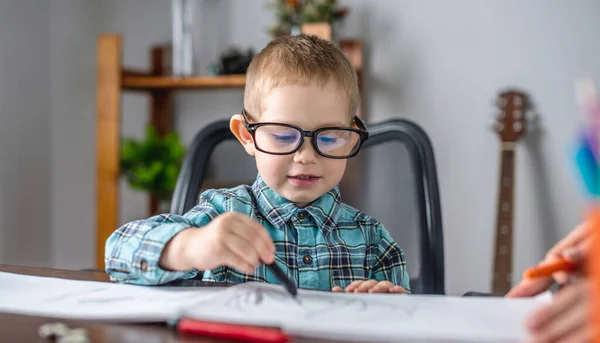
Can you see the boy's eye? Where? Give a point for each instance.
(285, 138)
(327, 139)
(329, 142)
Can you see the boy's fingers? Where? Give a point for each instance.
(258, 237)
(265, 252)
(254, 228)
(365, 286)
(264, 234)
(337, 289)
(381, 287)
(351, 287)
(243, 250)
(398, 289)
(384, 286)
(529, 288)
(235, 261)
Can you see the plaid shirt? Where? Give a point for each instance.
(323, 245)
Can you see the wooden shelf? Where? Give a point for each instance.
(168, 82)
(353, 51)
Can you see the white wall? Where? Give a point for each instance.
(25, 134)
(438, 63)
(74, 26)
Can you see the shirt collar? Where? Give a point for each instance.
(279, 210)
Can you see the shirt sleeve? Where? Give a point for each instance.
(389, 261)
(132, 252)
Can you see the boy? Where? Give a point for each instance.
(292, 214)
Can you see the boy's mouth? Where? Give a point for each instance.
(303, 177)
(303, 180)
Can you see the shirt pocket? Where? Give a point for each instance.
(345, 276)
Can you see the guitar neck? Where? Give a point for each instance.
(504, 223)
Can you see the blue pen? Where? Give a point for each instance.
(588, 168)
(586, 152)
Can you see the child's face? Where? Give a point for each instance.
(310, 107)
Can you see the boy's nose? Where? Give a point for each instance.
(306, 154)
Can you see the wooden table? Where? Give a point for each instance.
(17, 328)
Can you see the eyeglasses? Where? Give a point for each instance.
(285, 139)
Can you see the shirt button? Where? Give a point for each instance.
(144, 265)
(302, 215)
(307, 259)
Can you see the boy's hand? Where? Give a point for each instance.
(565, 319)
(574, 248)
(232, 239)
(371, 286)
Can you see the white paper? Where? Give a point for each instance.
(314, 314)
(371, 317)
(52, 297)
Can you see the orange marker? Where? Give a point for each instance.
(547, 269)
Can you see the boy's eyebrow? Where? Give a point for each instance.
(338, 123)
(329, 124)
(332, 124)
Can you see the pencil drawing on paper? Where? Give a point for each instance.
(104, 296)
(107, 299)
(311, 306)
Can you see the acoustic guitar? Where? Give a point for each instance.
(510, 126)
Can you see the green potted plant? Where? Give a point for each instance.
(295, 16)
(153, 163)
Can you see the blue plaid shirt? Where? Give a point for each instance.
(320, 246)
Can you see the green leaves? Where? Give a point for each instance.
(153, 163)
(290, 13)
(319, 12)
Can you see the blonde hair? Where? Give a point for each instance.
(299, 60)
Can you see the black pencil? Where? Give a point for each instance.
(289, 285)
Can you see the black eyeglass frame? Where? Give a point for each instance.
(362, 132)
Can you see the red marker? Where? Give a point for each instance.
(242, 333)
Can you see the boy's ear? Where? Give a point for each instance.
(236, 125)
